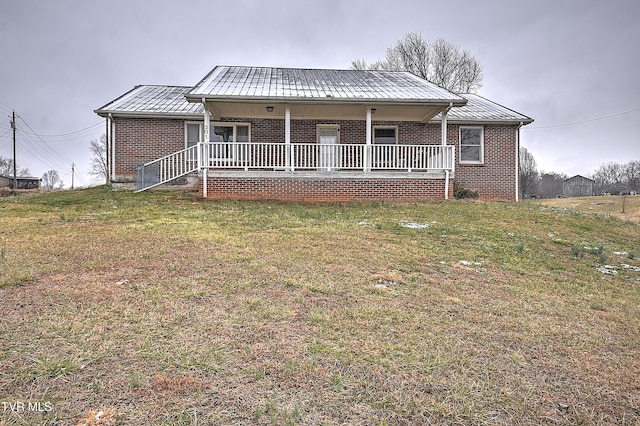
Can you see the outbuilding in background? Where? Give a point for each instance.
(577, 186)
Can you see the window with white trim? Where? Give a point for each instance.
(471, 145)
(192, 133)
(225, 134)
(385, 135)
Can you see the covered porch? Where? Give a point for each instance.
(231, 153)
(273, 123)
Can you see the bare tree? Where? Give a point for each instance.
(550, 184)
(439, 62)
(632, 175)
(99, 166)
(6, 168)
(615, 177)
(528, 174)
(51, 180)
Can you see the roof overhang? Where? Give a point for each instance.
(382, 111)
(509, 122)
(134, 114)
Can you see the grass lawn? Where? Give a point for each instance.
(159, 308)
(625, 207)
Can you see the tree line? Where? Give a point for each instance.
(610, 178)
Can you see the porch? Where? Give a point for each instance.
(249, 160)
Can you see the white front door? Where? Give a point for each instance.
(328, 139)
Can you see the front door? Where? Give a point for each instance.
(328, 139)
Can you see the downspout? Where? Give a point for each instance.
(443, 125)
(518, 161)
(107, 147)
(111, 145)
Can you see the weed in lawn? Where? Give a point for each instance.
(136, 380)
(577, 250)
(337, 382)
(278, 415)
(94, 386)
(603, 259)
(48, 367)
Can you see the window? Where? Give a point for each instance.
(193, 134)
(471, 145)
(385, 135)
(221, 133)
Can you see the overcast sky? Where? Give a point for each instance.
(572, 65)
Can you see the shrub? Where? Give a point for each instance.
(459, 191)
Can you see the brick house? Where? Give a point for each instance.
(312, 134)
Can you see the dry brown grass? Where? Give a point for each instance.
(162, 309)
(100, 417)
(622, 207)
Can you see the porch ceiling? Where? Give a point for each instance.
(324, 111)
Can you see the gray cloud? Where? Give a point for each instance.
(556, 61)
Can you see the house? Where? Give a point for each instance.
(577, 186)
(312, 134)
(24, 182)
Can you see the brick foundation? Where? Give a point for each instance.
(325, 189)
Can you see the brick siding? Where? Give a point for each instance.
(318, 189)
(495, 179)
(139, 140)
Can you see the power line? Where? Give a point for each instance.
(606, 117)
(41, 151)
(6, 107)
(63, 135)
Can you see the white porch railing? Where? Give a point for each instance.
(167, 168)
(295, 157)
(328, 157)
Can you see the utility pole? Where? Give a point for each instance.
(73, 173)
(15, 172)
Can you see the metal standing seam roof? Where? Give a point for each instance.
(313, 84)
(149, 100)
(256, 83)
(481, 109)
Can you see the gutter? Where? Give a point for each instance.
(107, 113)
(328, 100)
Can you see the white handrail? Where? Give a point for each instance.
(295, 156)
(329, 157)
(167, 168)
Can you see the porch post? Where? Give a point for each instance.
(367, 149)
(287, 138)
(446, 164)
(203, 149)
(444, 126)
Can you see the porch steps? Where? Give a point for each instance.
(167, 168)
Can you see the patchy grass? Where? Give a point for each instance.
(159, 308)
(622, 207)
